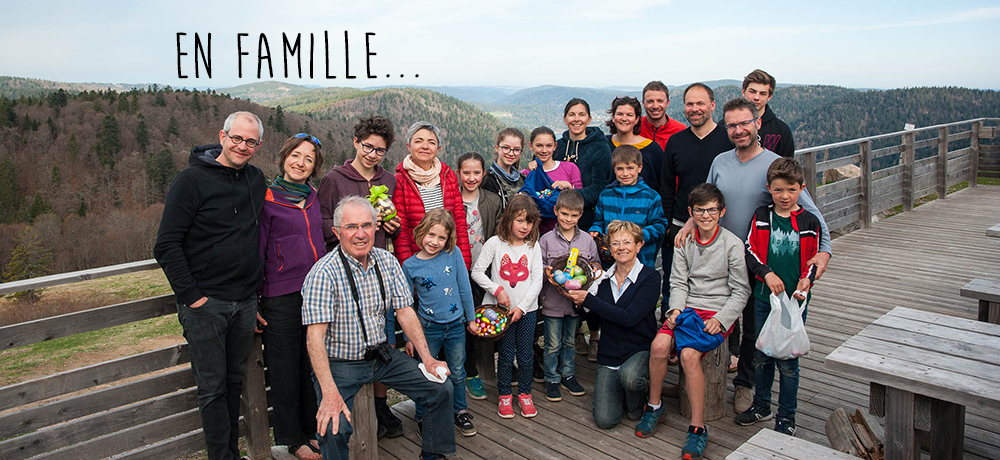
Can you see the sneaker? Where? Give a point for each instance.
(430, 456)
(592, 353)
(572, 386)
(650, 418)
(742, 399)
(527, 406)
(475, 387)
(552, 392)
(581, 345)
(505, 410)
(753, 415)
(389, 425)
(694, 448)
(785, 425)
(463, 420)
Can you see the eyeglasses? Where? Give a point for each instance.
(353, 228)
(237, 140)
(704, 211)
(310, 137)
(368, 148)
(506, 149)
(623, 243)
(624, 100)
(742, 124)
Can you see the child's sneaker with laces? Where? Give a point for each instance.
(753, 415)
(527, 406)
(572, 386)
(463, 420)
(694, 448)
(552, 392)
(785, 425)
(476, 388)
(650, 418)
(505, 409)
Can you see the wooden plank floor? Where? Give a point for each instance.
(919, 259)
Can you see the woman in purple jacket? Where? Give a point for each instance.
(291, 241)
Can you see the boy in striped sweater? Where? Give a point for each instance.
(628, 198)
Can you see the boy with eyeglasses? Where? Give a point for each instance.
(708, 277)
(373, 137)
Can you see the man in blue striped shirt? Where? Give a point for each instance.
(344, 300)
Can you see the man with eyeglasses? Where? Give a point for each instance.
(344, 300)
(758, 87)
(207, 247)
(741, 175)
(373, 136)
(656, 125)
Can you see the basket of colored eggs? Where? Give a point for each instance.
(581, 276)
(491, 321)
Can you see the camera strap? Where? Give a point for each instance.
(354, 289)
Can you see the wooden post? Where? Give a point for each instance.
(364, 441)
(974, 153)
(866, 184)
(908, 158)
(900, 437)
(714, 367)
(947, 430)
(254, 404)
(809, 165)
(942, 163)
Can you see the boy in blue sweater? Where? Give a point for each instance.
(628, 198)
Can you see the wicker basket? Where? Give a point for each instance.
(501, 312)
(589, 270)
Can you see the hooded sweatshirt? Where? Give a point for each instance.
(208, 238)
(344, 181)
(775, 135)
(593, 156)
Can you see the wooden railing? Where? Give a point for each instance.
(921, 163)
(155, 413)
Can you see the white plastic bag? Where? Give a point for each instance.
(784, 334)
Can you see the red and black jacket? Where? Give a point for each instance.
(759, 237)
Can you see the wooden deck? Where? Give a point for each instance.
(918, 259)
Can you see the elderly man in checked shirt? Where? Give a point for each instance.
(348, 350)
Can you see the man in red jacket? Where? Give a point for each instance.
(656, 125)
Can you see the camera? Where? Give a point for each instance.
(380, 352)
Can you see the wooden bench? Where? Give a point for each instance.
(931, 367)
(988, 293)
(771, 445)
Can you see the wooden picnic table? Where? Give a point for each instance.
(930, 367)
(993, 231)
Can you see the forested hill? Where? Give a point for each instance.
(83, 175)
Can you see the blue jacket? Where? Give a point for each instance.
(634, 203)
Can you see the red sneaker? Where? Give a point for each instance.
(505, 410)
(527, 406)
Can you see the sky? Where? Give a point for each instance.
(518, 43)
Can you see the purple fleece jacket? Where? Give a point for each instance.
(291, 241)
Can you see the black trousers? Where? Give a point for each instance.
(289, 370)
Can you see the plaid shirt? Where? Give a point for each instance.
(326, 298)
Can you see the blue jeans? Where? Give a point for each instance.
(403, 375)
(219, 334)
(450, 337)
(560, 344)
(617, 389)
(788, 380)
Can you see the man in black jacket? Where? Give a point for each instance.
(207, 247)
(758, 87)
